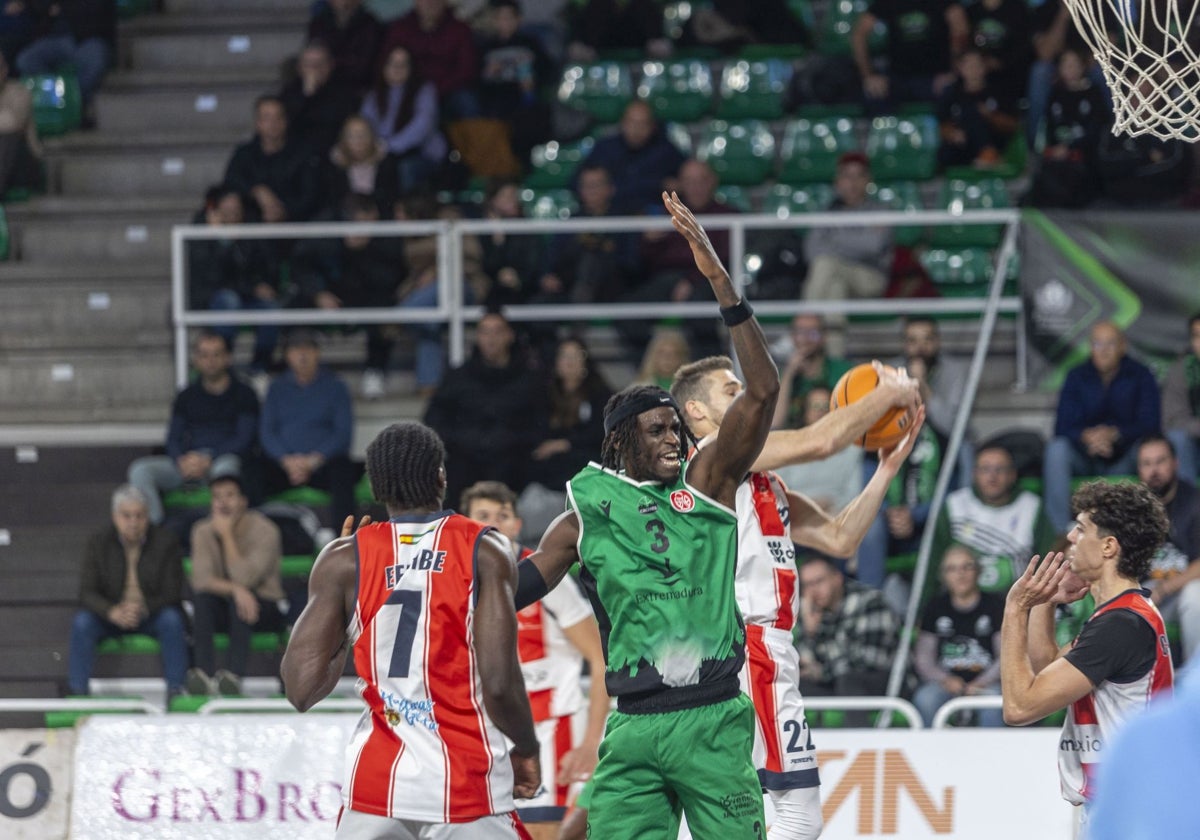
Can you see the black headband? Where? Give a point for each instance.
(636, 405)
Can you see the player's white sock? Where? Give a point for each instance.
(797, 814)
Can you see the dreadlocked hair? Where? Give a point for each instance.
(403, 463)
(623, 438)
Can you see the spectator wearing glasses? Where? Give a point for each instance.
(808, 366)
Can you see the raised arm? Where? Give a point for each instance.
(316, 651)
(554, 556)
(495, 640)
(718, 469)
(838, 429)
(841, 535)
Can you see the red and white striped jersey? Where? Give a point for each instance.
(1094, 719)
(425, 748)
(765, 584)
(551, 665)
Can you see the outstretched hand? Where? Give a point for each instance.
(702, 250)
(893, 459)
(1042, 581)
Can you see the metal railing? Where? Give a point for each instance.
(964, 704)
(224, 705)
(868, 704)
(80, 704)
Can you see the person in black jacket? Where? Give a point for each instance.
(316, 105)
(132, 582)
(280, 174)
(353, 35)
(78, 32)
(481, 410)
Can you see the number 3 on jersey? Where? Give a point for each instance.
(657, 531)
(406, 629)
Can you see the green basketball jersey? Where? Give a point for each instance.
(658, 565)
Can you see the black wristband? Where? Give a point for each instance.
(736, 314)
(531, 586)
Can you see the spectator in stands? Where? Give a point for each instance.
(131, 582)
(212, 431)
(443, 51)
(279, 173)
(1175, 569)
(671, 273)
(943, 380)
(233, 274)
(1001, 525)
(847, 636)
(638, 157)
(316, 105)
(569, 430)
(832, 482)
(1143, 171)
(354, 271)
(1106, 405)
(481, 410)
(589, 266)
(1181, 403)
(977, 119)
(82, 33)
(1077, 114)
(512, 262)
(1053, 32)
(851, 261)
(958, 647)
(353, 35)
(598, 25)
(359, 165)
(808, 366)
(515, 68)
(236, 584)
(667, 351)
(20, 150)
(306, 424)
(16, 29)
(733, 24)
(999, 29)
(403, 111)
(901, 519)
(922, 39)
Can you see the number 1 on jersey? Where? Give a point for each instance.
(406, 629)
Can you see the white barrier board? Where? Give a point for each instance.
(35, 782)
(267, 776)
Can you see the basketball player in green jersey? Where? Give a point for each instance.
(656, 539)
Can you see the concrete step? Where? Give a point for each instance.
(163, 140)
(261, 45)
(83, 313)
(39, 273)
(168, 79)
(178, 7)
(203, 107)
(71, 208)
(92, 385)
(185, 172)
(132, 239)
(244, 17)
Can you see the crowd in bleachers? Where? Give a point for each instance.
(430, 116)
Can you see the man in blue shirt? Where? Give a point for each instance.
(306, 425)
(1105, 406)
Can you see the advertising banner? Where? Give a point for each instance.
(35, 782)
(1135, 269)
(278, 776)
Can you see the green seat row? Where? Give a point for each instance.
(137, 644)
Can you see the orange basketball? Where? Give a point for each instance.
(855, 384)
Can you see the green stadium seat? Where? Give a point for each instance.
(840, 16)
(802, 10)
(753, 89)
(957, 196)
(811, 148)
(57, 102)
(308, 496)
(187, 497)
(549, 204)
(902, 196)
(553, 163)
(963, 272)
(132, 8)
(1012, 163)
(135, 644)
(363, 494)
(784, 200)
(5, 237)
(903, 148)
(602, 89)
(678, 91)
(678, 134)
(741, 153)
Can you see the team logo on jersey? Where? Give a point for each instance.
(426, 560)
(669, 576)
(647, 506)
(683, 501)
(782, 552)
(397, 710)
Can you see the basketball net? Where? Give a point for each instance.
(1150, 55)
